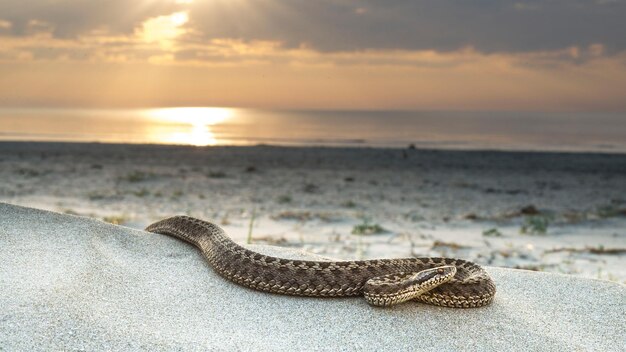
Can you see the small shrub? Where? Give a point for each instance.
(493, 232)
(217, 174)
(141, 193)
(115, 219)
(136, 176)
(284, 199)
(95, 195)
(367, 229)
(28, 172)
(535, 225)
(311, 188)
(609, 211)
(349, 204)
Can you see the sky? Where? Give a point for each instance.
(552, 55)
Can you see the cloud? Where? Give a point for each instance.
(72, 18)
(488, 26)
(442, 25)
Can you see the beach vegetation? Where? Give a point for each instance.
(217, 174)
(250, 226)
(574, 216)
(284, 199)
(141, 193)
(532, 267)
(367, 228)
(225, 219)
(115, 219)
(452, 245)
(349, 204)
(535, 225)
(414, 216)
(28, 172)
(70, 212)
(94, 195)
(303, 216)
(294, 215)
(492, 232)
(311, 188)
(471, 216)
(177, 193)
(610, 211)
(135, 176)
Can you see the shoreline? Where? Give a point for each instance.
(425, 147)
(558, 212)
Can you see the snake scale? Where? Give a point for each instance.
(443, 282)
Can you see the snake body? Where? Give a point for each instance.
(444, 282)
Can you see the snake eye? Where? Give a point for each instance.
(440, 271)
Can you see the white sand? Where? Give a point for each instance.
(73, 283)
(313, 198)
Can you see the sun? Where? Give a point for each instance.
(179, 18)
(195, 116)
(196, 124)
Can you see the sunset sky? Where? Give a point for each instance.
(559, 55)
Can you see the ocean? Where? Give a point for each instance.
(199, 126)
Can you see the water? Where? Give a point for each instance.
(605, 132)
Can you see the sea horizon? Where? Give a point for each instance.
(216, 126)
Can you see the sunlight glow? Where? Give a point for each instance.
(179, 18)
(162, 29)
(195, 116)
(196, 121)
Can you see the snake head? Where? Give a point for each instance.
(428, 279)
(392, 289)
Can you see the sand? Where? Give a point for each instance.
(467, 204)
(74, 283)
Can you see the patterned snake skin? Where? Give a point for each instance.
(439, 281)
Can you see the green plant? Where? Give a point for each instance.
(535, 225)
(493, 232)
(365, 228)
(285, 198)
(95, 195)
(141, 193)
(135, 176)
(28, 172)
(609, 211)
(217, 174)
(349, 204)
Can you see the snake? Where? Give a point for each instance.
(445, 282)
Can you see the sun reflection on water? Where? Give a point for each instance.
(189, 125)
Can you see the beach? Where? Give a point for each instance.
(77, 283)
(554, 212)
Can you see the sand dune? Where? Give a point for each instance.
(72, 283)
